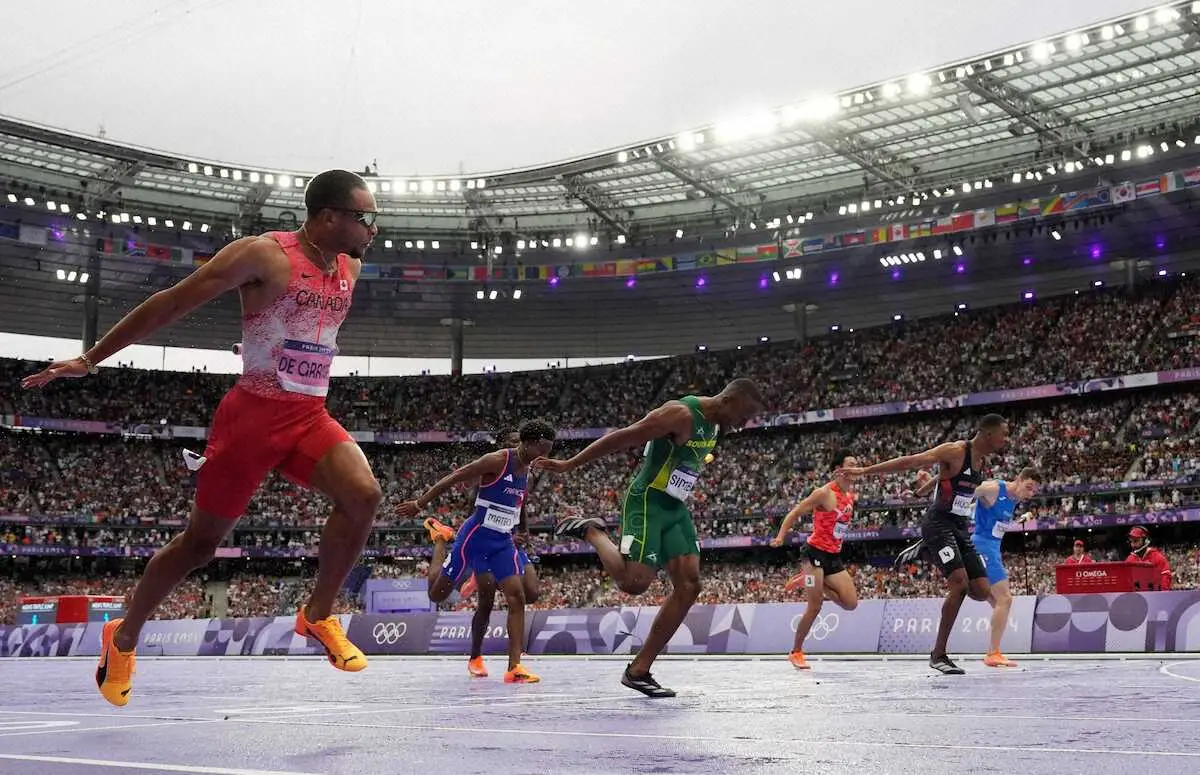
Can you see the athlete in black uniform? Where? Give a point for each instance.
(944, 531)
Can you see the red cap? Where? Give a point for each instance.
(1078, 542)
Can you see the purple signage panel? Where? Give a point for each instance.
(1114, 622)
(587, 631)
(910, 625)
(395, 634)
(452, 633)
(773, 628)
(50, 640)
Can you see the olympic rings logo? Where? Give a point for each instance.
(389, 632)
(823, 626)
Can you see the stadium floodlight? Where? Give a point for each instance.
(408, 244)
(481, 183)
(224, 173)
(372, 186)
(237, 175)
(520, 244)
(842, 210)
(864, 207)
(1041, 51)
(64, 208)
(517, 293)
(622, 157)
(835, 328)
(593, 240)
(298, 182)
(958, 251)
(169, 223)
(891, 90)
(498, 250)
(1107, 32)
(421, 244)
(755, 125)
(193, 167)
(493, 294)
(920, 255)
(1076, 42)
(187, 225)
(1166, 15)
(852, 208)
(1055, 234)
(966, 188)
(456, 185)
(115, 218)
(151, 221)
(269, 179)
(435, 245)
(441, 185)
(685, 141)
(208, 170)
(204, 227)
(426, 186)
(620, 239)
(883, 261)
(556, 242)
(137, 219)
(51, 205)
(937, 254)
(255, 177)
(83, 278)
(987, 183)
(71, 275)
(1141, 23)
(81, 216)
(1016, 178)
(285, 181)
(61, 274)
(918, 84)
(961, 306)
(897, 317)
(387, 243)
(29, 201)
(479, 294)
(679, 234)
(12, 198)
(775, 276)
(581, 241)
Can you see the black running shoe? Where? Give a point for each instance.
(577, 527)
(908, 554)
(646, 685)
(945, 665)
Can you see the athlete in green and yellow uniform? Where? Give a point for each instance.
(656, 526)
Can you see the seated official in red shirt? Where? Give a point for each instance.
(1078, 556)
(1142, 551)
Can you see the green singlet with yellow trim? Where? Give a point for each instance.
(656, 526)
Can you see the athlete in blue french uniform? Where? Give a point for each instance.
(995, 502)
(484, 543)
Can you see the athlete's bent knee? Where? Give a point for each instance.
(363, 501)
(634, 586)
(849, 605)
(689, 589)
(979, 589)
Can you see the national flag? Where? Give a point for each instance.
(646, 265)
(369, 272)
(1123, 192)
(1171, 181)
(199, 259)
(791, 248)
(882, 234)
(1007, 213)
(985, 217)
(1031, 208)
(814, 245)
(529, 273)
(899, 231)
(605, 269)
(458, 273)
(922, 229)
(131, 247)
(32, 235)
(158, 252)
(1147, 188)
(766, 253)
(626, 268)
(832, 242)
(726, 259)
(1191, 177)
(854, 238)
(479, 274)
(706, 259)
(181, 255)
(9, 231)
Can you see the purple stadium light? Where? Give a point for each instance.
(895, 274)
(833, 278)
(1096, 251)
(1027, 295)
(632, 281)
(553, 281)
(960, 268)
(701, 281)
(1160, 242)
(762, 283)
(1027, 261)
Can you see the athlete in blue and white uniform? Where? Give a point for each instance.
(484, 543)
(995, 502)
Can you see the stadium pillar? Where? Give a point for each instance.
(91, 301)
(456, 346)
(800, 322)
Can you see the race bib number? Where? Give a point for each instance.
(998, 529)
(963, 506)
(499, 517)
(681, 483)
(841, 530)
(304, 367)
(946, 554)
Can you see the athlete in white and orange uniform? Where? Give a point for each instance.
(295, 290)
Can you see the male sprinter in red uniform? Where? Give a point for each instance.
(295, 290)
(1142, 551)
(821, 571)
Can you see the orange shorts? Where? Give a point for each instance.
(250, 436)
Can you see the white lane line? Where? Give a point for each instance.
(146, 765)
(114, 728)
(1166, 670)
(758, 741)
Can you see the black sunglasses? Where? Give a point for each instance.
(365, 217)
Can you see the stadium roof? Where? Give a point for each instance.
(1081, 106)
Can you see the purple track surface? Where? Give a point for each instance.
(271, 716)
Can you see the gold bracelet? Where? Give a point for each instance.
(91, 367)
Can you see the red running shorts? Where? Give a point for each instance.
(250, 436)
